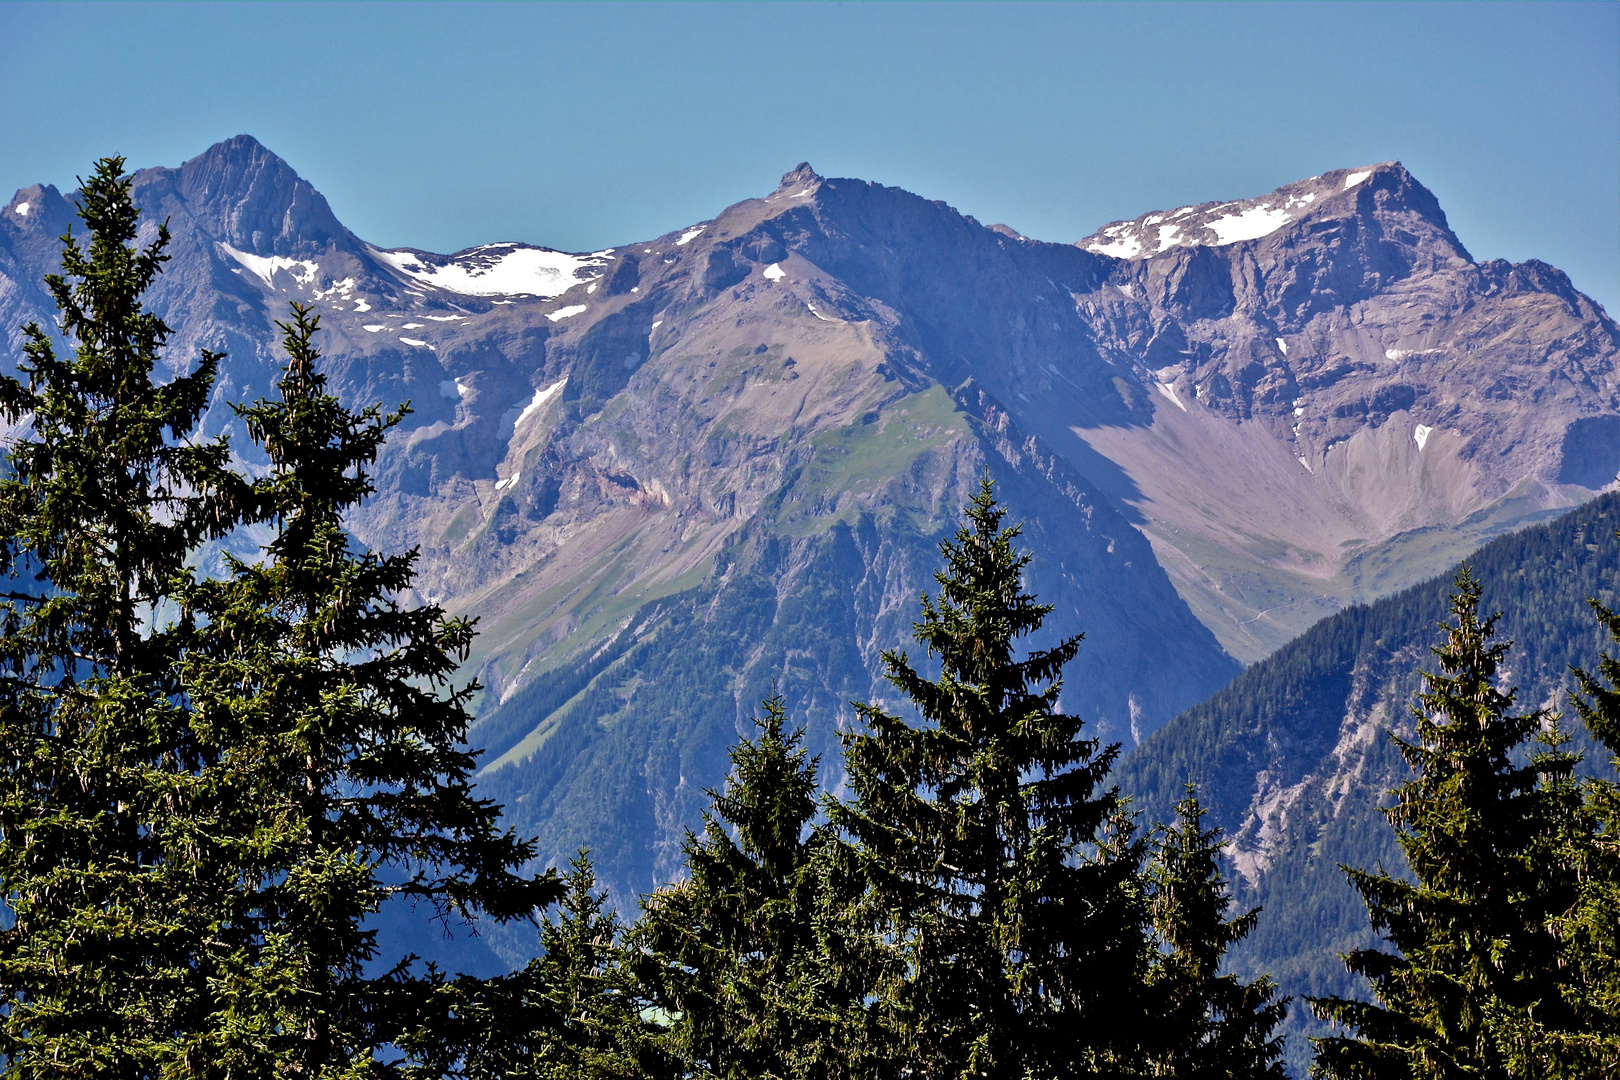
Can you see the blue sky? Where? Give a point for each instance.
(583, 126)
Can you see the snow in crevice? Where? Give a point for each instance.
(1282, 346)
(498, 270)
(265, 267)
(541, 396)
(1170, 392)
(502, 485)
(565, 312)
(1420, 435)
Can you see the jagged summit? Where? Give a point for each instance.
(1376, 188)
(246, 196)
(801, 177)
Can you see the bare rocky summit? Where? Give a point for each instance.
(669, 474)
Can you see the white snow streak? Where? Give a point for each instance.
(689, 235)
(502, 485)
(1355, 178)
(1170, 392)
(540, 398)
(265, 267)
(420, 344)
(565, 312)
(1283, 345)
(374, 327)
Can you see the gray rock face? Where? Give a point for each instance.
(765, 420)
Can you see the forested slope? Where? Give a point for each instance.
(1294, 757)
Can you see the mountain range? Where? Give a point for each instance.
(672, 474)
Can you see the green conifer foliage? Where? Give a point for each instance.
(342, 740)
(751, 954)
(1589, 932)
(1482, 835)
(572, 1014)
(1024, 953)
(1211, 1026)
(105, 859)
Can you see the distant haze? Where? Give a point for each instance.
(579, 127)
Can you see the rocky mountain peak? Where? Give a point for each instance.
(38, 207)
(247, 197)
(1384, 190)
(802, 176)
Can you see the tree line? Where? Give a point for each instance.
(211, 781)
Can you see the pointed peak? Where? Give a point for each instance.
(803, 176)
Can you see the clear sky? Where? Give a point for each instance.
(584, 126)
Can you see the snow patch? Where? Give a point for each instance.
(657, 323)
(1128, 247)
(498, 270)
(413, 326)
(1168, 236)
(1170, 392)
(1301, 459)
(374, 327)
(23, 208)
(774, 272)
(818, 314)
(339, 289)
(1282, 346)
(689, 235)
(444, 318)
(265, 267)
(418, 342)
(1355, 178)
(1421, 435)
(1251, 224)
(541, 396)
(565, 312)
(502, 485)
(362, 305)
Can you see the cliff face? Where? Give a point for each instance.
(666, 474)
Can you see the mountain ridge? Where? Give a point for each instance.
(766, 420)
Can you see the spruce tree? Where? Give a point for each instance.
(751, 952)
(1479, 827)
(341, 742)
(574, 1012)
(116, 893)
(1211, 1026)
(1588, 1044)
(979, 830)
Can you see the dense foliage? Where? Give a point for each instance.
(1481, 829)
(209, 785)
